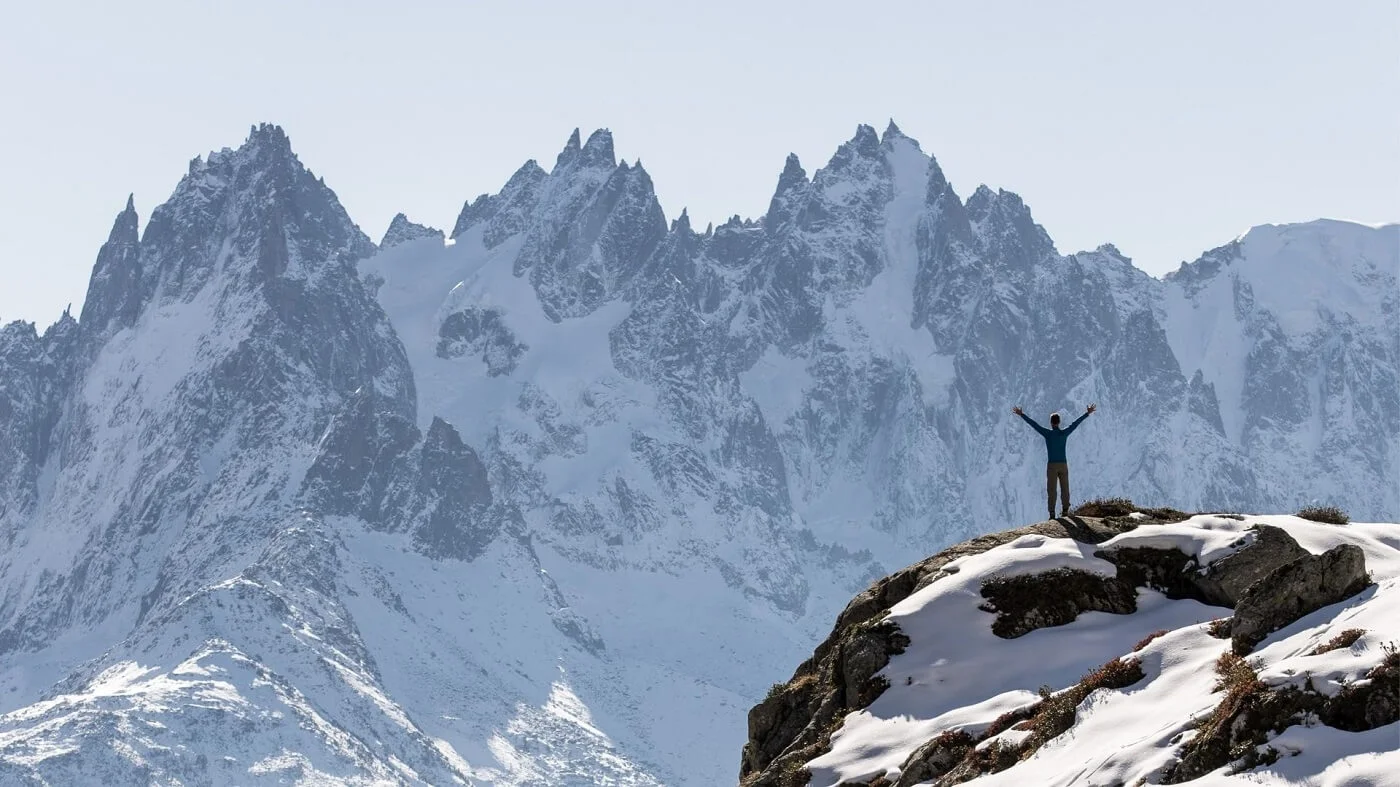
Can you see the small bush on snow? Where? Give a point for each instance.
(1343, 640)
(1219, 628)
(1147, 640)
(1330, 515)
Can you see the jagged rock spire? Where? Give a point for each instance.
(598, 150)
(401, 230)
(792, 184)
(866, 141)
(570, 152)
(793, 175)
(682, 222)
(114, 293)
(1008, 230)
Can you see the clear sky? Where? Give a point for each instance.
(1165, 129)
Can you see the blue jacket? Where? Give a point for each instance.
(1055, 439)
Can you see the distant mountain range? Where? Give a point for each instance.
(555, 499)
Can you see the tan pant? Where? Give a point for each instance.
(1057, 472)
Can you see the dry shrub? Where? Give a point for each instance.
(1105, 507)
(1116, 674)
(1391, 661)
(1343, 640)
(1235, 676)
(1008, 720)
(1219, 628)
(1147, 640)
(1330, 515)
(954, 739)
(1055, 714)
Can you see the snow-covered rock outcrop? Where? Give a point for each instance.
(1115, 651)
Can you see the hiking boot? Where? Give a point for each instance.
(1064, 513)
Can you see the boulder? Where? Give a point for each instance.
(935, 758)
(1222, 583)
(1295, 589)
(1225, 581)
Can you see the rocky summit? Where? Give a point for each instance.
(1145, 648)
(553, 498)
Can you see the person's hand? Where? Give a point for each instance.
(1016, 410)
(1093, 407)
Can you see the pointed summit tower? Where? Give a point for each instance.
(115, 291)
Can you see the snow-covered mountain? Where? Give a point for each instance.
(554, 501)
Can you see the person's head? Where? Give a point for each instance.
(1054, 420)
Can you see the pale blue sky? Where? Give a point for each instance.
(1165, 130)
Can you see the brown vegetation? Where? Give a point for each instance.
(1343, 640)
(1330, 515)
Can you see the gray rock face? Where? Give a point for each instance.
(1223, 582)
(360, 455)
(451, 497)
(934, 759)
(115, 293)
(508, 213)
(1295, 589)
(208, 343)
(1226, 580)
(482, 333)
(233, 405)
(35, 373)
(592, 231)
(401, 230)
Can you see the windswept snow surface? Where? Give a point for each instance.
(957, 675)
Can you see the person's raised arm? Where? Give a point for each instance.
(1029, 420)
(1080, 419)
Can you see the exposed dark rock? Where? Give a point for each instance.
(1243, 721)
(1368, 704)
(1177, 574)
(900, 585)
(1053, 598)
(401, 230)
(358, 456)
(794, 724)
(1250, 713)
(1226, 580)
(1295, 589)
(453, 495)
(480, 332)
(935, 758)
(1272, 579)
